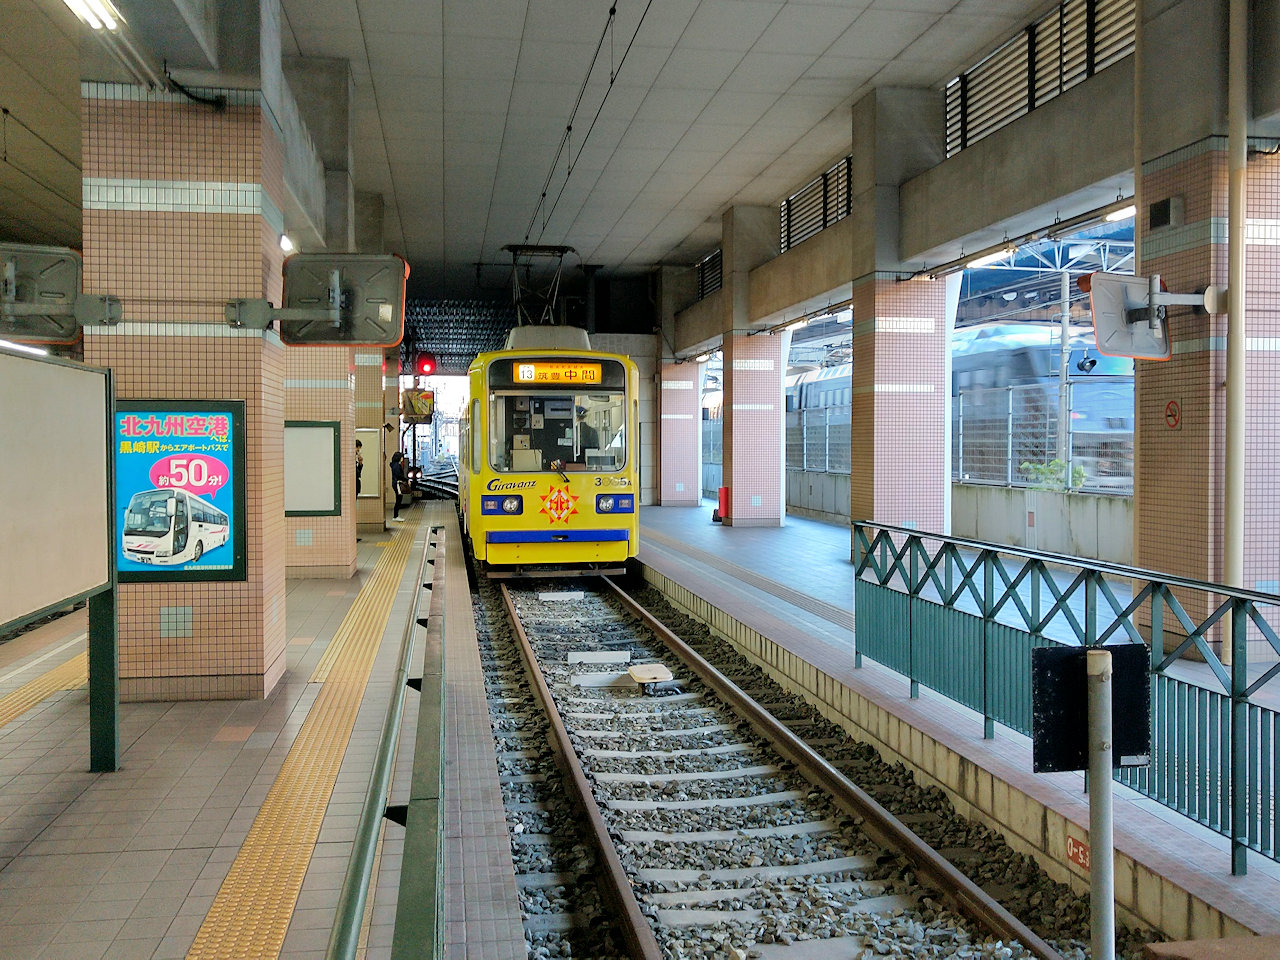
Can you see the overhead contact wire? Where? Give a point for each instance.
(613, 75)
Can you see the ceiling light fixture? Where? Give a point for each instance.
(1124, 213)
(35, 351)
(986, 259)
(286, 244)
(97, 14)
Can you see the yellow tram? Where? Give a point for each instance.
(548, 456)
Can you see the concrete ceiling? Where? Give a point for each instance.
(40, 128)
(461, 109)
(462, 106)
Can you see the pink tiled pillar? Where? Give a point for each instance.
(899, 458)
(320, 387)
(370, 416)
(181, 214)
(1178, 469)
(754, 367)
(680, 465)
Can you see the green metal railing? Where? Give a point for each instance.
(962, 617)
(429, 921)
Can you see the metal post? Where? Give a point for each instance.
(1064, 401)
(1009, 437)
(960, 431)
(104, 683)
(1102, 894)
(1233, 494)
(1236, 641)
(103, 642)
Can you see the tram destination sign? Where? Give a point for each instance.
(179, 500)
(550, 371)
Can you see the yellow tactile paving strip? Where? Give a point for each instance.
(251, 913)
(74, 673)
(365, 609)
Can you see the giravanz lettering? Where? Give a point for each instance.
(496, 484)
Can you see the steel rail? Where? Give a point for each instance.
(882, 826)
(345, 934)
(617, 891)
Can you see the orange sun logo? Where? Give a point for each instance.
(559, 504)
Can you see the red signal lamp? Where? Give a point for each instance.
(424, 364)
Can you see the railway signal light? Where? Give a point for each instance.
(424, 364)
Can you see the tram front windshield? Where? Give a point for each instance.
(557, 414)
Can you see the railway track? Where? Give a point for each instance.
(703, 829)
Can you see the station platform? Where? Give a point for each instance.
(168, 857)
(794, 586)
(228, 829)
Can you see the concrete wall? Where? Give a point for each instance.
(643, 349)
(1075, 524)
(701, 323)
(1071, 143)
(1266, 65)
(818, 496)
(820, 264)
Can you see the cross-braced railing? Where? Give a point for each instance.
(962, 617)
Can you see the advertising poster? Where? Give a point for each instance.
(180, 490)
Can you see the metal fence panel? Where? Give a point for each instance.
(925, 602)
(996, 431)
(794, 428)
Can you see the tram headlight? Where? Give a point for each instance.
(512, 504)
(499, 505)
(615, 503)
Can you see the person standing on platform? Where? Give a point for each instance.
(399, 483)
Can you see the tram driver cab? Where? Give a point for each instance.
(533, 431)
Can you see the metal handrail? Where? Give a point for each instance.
(978, 659)
(345, 936)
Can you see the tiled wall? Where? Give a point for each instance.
(899, 464)
(370, 515)
(208, 640)
(1179, 471)
(681, 425)
(753, 405)
(320, 385)
(182, 213)
(642, 349)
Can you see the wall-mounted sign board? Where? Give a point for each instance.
(312, 468)
(54, 513)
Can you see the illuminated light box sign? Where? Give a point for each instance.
(546, 371)
(180, 511)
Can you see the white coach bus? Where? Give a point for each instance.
(171, 527)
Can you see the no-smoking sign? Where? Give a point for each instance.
(1173, 415)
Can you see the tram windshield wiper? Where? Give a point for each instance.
(558, 467)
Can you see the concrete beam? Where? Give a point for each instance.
(368, 213)
(1266, 67)
(324, 90)
(1062, 159)
(182, 32)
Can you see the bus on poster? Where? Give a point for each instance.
(180, 490)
